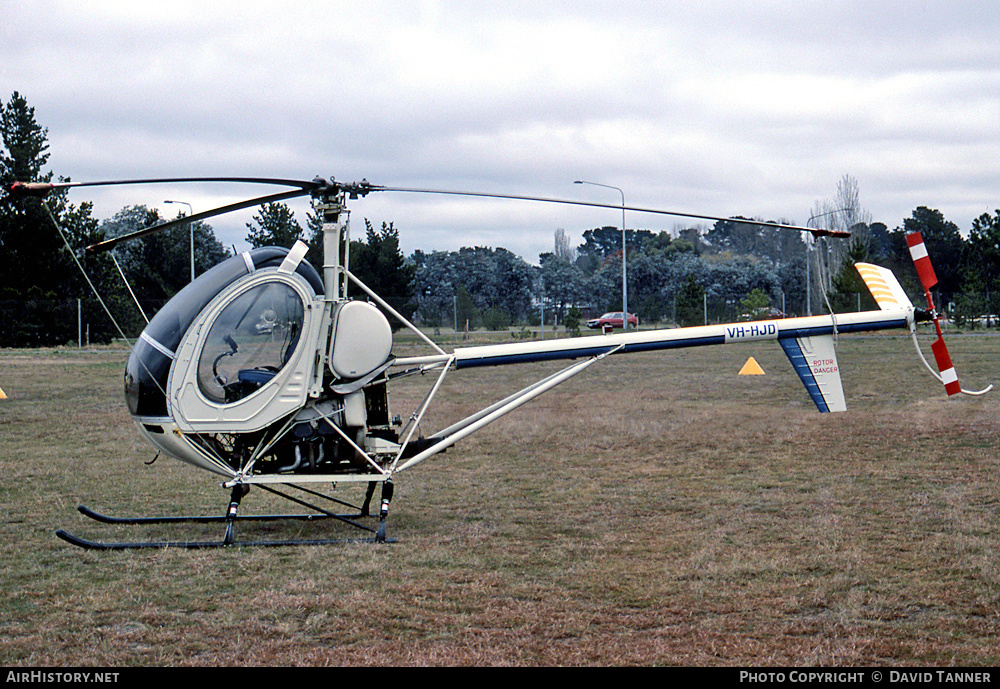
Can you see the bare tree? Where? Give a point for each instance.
(562, 249)
(844, 212)
(855, 218)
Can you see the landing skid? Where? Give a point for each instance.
(231, 518)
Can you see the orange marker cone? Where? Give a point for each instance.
(751, 368)
(3, 395)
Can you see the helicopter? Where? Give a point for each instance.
(263, 372)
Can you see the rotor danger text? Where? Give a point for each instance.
(824, 366)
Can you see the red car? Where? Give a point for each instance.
(613, 319)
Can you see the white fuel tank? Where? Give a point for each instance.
(361, 342)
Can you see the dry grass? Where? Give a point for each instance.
(656, 510)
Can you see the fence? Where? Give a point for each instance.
(52, 322)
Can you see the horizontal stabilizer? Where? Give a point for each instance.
(815, 360)
(884, 287)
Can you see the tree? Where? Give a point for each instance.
(777, 244)
(690, 303)
(41, 281)
(274, 225)
(466, 312)
(563, 250)
(662, 243)
(561, 283)
(602, 242)
(494, 278)
(314, 222)
(735, 237)
(30, 247)
(605, 242)
(25, 143)
(158, 265)
(381, 266)
(435, 286)
(755, 306)
(496, 319)
(604, 286)
(848, 291)
(981, 267)
(572, 322)
(843, 213)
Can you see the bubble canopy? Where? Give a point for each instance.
(249, 342)
(148, 368)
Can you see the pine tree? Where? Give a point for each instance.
(28, 242)
(274, 225)
(41, 282)
(690, 303)
(848, 292)
(381, 266)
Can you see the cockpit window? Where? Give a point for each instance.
(250, 341)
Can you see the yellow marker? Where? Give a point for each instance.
(3, 395)
(751, 368)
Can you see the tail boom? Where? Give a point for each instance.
(808, 341)
(677, 338)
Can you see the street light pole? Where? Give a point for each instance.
(191, 228)
(809, 307)
(624, 274)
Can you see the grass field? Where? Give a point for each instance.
(658, 509)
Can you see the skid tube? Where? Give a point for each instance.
(231, 518)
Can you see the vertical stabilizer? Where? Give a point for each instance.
(815, 360)
(884, 287)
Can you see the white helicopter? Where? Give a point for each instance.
(265, 373)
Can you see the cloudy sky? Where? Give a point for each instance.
(722, 108)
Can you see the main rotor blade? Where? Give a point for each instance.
(260, 200)
(817, 232)
(321, 187)
(42, 189)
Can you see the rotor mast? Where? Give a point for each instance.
(332, 207)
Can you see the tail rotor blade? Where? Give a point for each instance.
(948, 375)
(922, 262)
(928, 279)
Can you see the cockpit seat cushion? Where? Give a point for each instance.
(256, 376)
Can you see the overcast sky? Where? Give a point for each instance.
(722, 108)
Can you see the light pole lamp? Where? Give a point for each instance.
(191, 228)
(624, 273)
